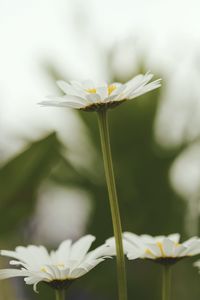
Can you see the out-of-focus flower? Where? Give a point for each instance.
(89, 96)
(197, 264)
(58, 268)
(162, 249)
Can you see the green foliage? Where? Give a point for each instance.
(20, 179)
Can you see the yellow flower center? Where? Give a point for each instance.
(148, 251)
(110, 89)
(60, 265)
(91, 91)
(43, 270)
(160, 246)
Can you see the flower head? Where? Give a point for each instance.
(58, 268)
(89, 96)
(161, 249)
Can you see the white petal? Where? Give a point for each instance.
(18, 263)
(9, 273)
(175, 237)
(64, 274)
(168, 247)
(70, 90)
(134, 239)
(62, 104)
(52, 272)
(102, 92)
(180, 251)
(85, 267)
(155, 250)
(78, 272)
(119, 90)
(9, 254)
(138, 81)
(101, 251)
(88, 84)
(190, 241)
(93, 98)
(132, 250)
(61, 255)
(33, 280)
(194, 248)
(144, 89)
(76, 84)
(81, 247)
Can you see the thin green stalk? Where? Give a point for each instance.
(166, 282)
(110, 180)
(60, 294)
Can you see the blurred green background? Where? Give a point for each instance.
(49, 179)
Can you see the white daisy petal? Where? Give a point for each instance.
(102, 92)
(69, 104)
(101, 251)
(78, 272)
(63, 251)
(168, 247)
(64, 274)
(93, 98)
(175, 237)
(76, 84)
(70, 90)
(68, 262)
(180, 251)
(88, 84)
(154, 249)
(131, 248)
(9, 273)
(193, 248)
(81, 247)
(8, 253)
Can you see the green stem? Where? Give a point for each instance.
(166, 282)
(110, 180)
(60, 294)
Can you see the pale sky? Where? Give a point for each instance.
(72, 34)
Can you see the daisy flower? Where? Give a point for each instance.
(165, 250)
(88, 96)
(162, 249)
(58, 268)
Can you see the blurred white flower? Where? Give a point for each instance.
(67, 208)
(162, 249)
(58, 268)
(89, 96)
(197, 264)
(185, 179)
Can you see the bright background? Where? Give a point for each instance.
(155, 139)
